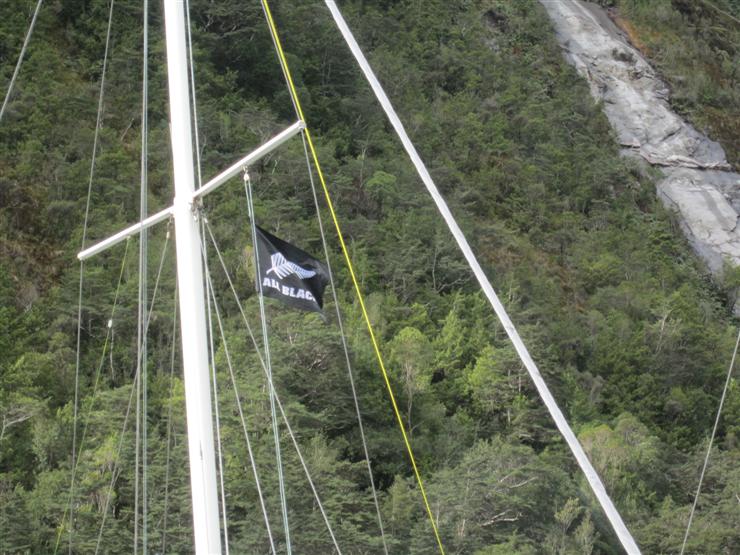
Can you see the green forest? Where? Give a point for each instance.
(629, 331)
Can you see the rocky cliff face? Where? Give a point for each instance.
(697, 182)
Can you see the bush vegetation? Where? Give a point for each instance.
(627, 329)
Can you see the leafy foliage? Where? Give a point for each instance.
(695, 46)
(627, 330)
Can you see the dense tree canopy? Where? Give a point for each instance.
(629, 332)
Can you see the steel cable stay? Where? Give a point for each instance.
(141, 344)
(242, 417)
(114, 476)
(278, 403)
(297, 110)
(358, 291)
(168, 448)
(194, 102)
(711, 441)
(106, 342)
(199, 183)
(145, 329)
(217, 414)
(96, 139)
(345, 348)
(18, 64)
(268, 361)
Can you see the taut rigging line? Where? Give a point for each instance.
(350, 267)
(278, 404)
(590, 473)
(20, 59)
(711, 441)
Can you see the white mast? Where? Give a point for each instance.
(191, 292)
(201, 450)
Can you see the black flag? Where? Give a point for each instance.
(290, 274)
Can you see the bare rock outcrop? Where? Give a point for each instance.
(697, 184)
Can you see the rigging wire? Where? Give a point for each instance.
(194, 102)
(109, 327)
(141, 373)
(114, 475)
(199, 175)
(344, 347)
(96, 139)
(114, 472)
(296, 108)
(168, 451)
(212, 353)
(594, 481)
(196, 133)
(283, 415)
(711, 441)
(266, 347)
(20, 58)
(242, 417)
(278, 48)
(358, 291)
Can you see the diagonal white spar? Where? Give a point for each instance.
(589, 471)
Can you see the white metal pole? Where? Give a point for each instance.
(238, 167)
(125, 234)
(570, 438)
(191, 293)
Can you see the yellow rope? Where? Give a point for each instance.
(296, 102)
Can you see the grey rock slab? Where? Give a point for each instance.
(634, 97)
(707, 218)
(695, 183)
(727, 183)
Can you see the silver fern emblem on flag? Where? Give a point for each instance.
(283, 268)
